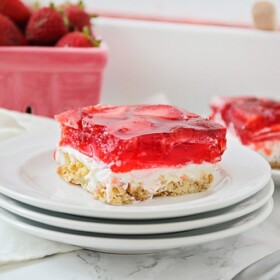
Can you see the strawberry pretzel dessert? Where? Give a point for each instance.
(125, 154)
(255, 122)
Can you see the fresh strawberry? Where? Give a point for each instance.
(74, 39)
(15, 10)
(134, 126)
(78, 39)
(10, 35)
(45, 27)
(78, 18)
(159, 111)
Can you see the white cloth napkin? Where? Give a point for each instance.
(16, 245)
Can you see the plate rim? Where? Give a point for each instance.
(275, 173)
(134, 245)
(19, 209)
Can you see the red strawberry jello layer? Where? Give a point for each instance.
(254, 121)
(123, 154)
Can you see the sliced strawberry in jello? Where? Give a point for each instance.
(159, 111)
(108, 111)
(71, 119)
(141, 137)
(133, 126)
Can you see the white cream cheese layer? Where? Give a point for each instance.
(149, 178)
(268, 149)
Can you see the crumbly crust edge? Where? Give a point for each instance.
(75, 171)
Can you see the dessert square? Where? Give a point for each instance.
(124, 154)
(255, 122)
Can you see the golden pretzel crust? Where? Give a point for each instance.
(74, 171)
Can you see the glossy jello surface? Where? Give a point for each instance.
(142, 136)
(253, 119)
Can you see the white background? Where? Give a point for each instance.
(220, 10)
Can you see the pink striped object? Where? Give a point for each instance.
(49, 80)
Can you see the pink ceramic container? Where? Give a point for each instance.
(48, 80)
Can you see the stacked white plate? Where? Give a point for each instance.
(276, 176)
(34, 199)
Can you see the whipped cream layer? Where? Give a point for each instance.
(268, 149)
(150, 179)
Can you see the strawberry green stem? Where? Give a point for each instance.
(36, 5)
(81, 4)
(96, 43)
(86, 32)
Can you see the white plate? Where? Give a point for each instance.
(28, 174)
(138, 243)
(276, 176)
(139, 227)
